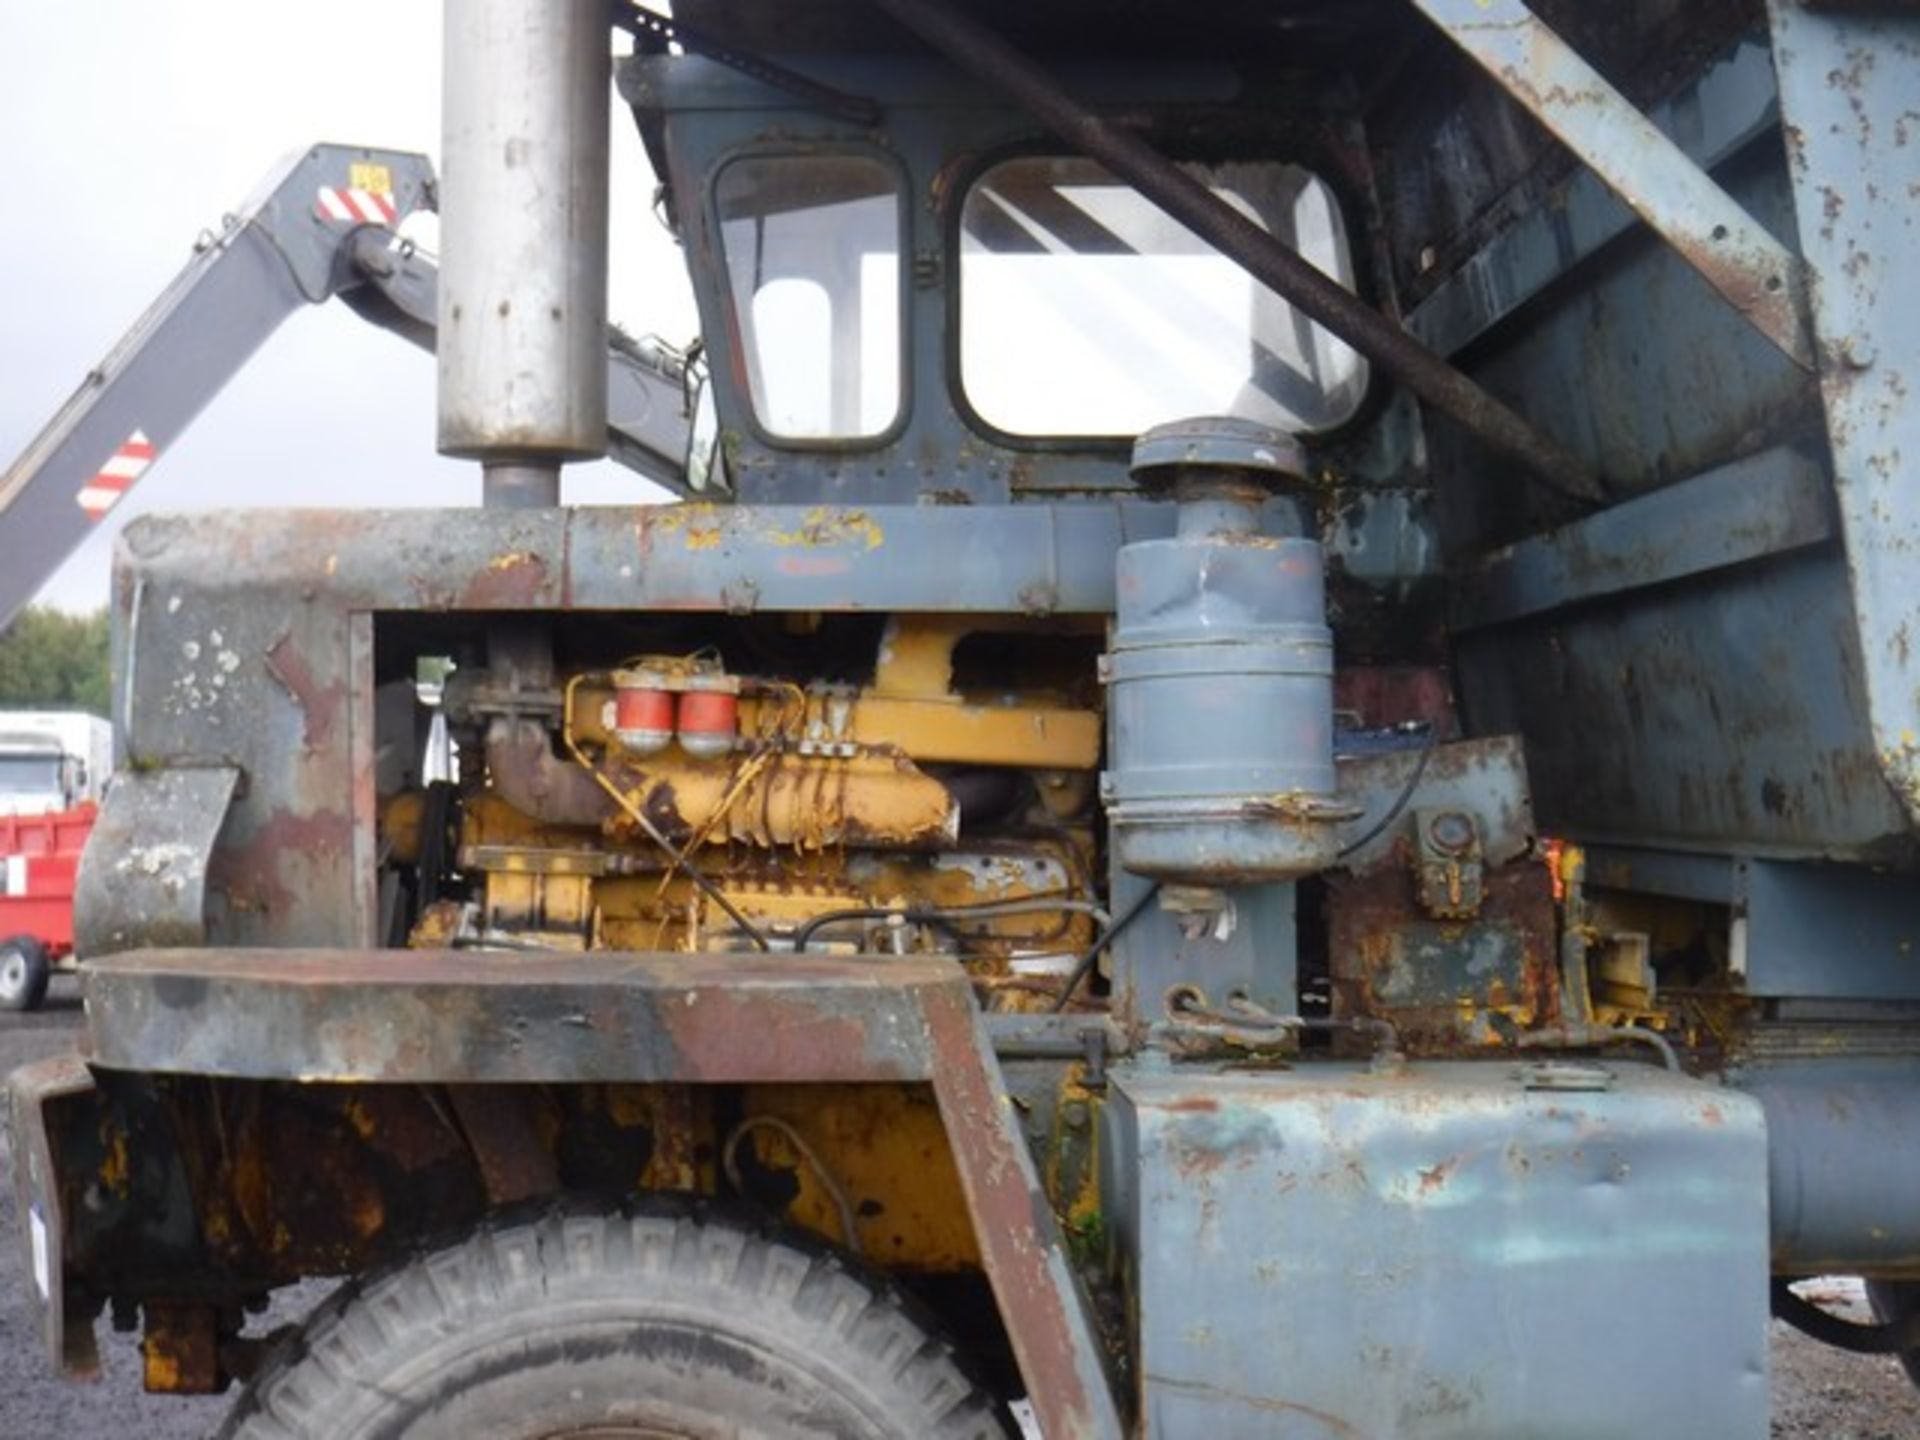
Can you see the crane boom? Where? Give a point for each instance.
(323, 224)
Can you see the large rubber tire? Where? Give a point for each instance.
(24, 971)
(1893, 1300)
(616, 1325)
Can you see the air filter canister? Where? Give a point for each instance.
(1220, 672)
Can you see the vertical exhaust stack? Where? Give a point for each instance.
(523, 265)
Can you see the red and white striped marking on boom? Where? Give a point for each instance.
(116, 477)
(355, 207)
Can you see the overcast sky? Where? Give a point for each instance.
(129, 126)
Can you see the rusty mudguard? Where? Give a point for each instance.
(433, 1017)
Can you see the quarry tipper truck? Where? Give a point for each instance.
(1268, 786)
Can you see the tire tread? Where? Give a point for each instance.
(367, 1326)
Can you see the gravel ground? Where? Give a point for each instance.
(1816, 1391)
(34, 1405)
(1825, 1392)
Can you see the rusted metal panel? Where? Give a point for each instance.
(425, 1016)
(364, 801)
(1735, 254)
(40, 1208)
(1853, 150)
(1486, 777)
(1711, 119)
(1444, 985)
(224, 664)
(1720, 714)
(1428, 1252)
(870, 1162)
(1020, 1240)
(1766, 504)
(1654, 377)
(1721, 709)
(1440, 974)
(460, 1016)
(1054, 559)
(246, 639)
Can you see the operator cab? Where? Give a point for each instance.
(955, 309)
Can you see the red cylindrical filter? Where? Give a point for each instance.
(642, 712)
(709, 716)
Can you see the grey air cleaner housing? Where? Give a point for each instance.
(1220, 671)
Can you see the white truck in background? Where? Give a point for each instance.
(52, 760)
(54, 766)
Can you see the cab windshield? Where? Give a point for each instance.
(30, 774)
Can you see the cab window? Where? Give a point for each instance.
(1086, 310)
(812, 248)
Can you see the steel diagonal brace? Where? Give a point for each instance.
(955, 33)
(1675, 198)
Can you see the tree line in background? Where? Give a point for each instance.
(51, 660)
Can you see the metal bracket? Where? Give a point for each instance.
(1676, 199)
(143, 880)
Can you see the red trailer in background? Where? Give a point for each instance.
(42, 855)
(53, 768)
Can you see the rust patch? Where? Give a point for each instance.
(252, 874)
(1434, 980)
(319, 704)
(180, 1349)
(675, 1162)
(1330, 1424)
(720, 1032)
(826, 525)
(1191, 1103)
(511, 581)
(1434, 1178)
(814, 565)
